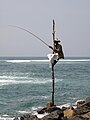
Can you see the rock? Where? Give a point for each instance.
(87, 103)
(87, 99)
(41, 111)
(25, 117)
(55, 115)
(69, 113)
(80, 103)
(86, 116)
(52, 109)
(49, 104)
(34, 117)
(16, 118)
(21, 118)
(77, 117)
(82, 110)
(48, 109)
(64, 108)
(29, 117)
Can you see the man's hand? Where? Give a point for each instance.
(51, 47)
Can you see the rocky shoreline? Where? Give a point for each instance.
(81, 112)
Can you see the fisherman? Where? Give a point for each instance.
(57, 50)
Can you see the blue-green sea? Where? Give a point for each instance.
(26, 83)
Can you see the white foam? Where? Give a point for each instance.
(26, 61)
(44, 61)
(23, 112)
(8, 82)
(65, 105)
(6, 117)
(5, 80)
(12, 77)
(18, 61)
(75, 60)
(78, 101)
(41, 115)
(36, 108)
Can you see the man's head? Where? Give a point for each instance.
(56, 42)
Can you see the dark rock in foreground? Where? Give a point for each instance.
(82, 112)
(55, 115)
(48, 110)
(29, 117)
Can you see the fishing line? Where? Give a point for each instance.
(31, 34)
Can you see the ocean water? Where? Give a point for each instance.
(26, 83)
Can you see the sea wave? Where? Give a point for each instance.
(76, 60)
(44, 61)
(26, 61)
(12, 77)
(34, 81)
(7, 80)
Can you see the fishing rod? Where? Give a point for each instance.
(32, 35)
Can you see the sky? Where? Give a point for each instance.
(72, 18)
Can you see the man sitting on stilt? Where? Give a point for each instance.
(57, 52)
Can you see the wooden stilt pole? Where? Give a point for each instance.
(53, 64)
(52, 84)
